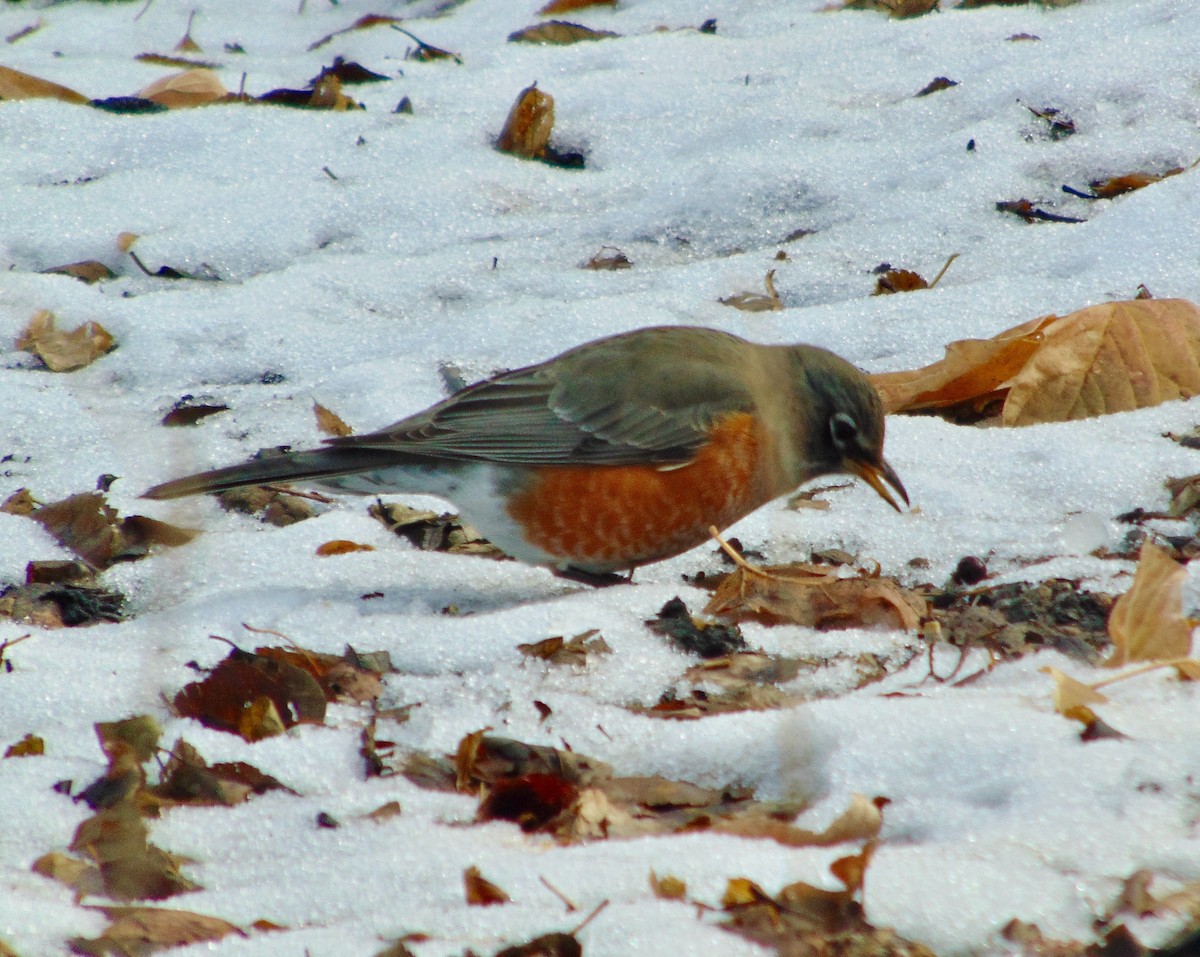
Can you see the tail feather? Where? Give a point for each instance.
(314, 464)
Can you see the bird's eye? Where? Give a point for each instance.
(843, 429)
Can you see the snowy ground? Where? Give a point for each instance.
(429, 247)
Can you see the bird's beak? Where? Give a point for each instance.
(875, 474)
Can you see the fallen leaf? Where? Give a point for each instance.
(559, 651)
(253, 696)
(89, 271)
(115, 840)
(188, 412)
(567, 6)
(364, 22)
(64, 351)
(15, 85)
(898, 9)
(1031, 213)
(1071, 694)
(809, 595)
(756, 301)
(1147, 622)
(144, 930)
(560, 32)
(28, 747)
(667, 887)
(1112, 357)
(186, 88)
(526, 132)
(548, 945)
(342, 546)
(92, 529)
(329, 423)
(610, 258)
(349, 73)
(480, 891)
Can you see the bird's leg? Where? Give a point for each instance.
(595, 579)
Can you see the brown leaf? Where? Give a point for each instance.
(253, 696)
(187, 412)
(548, 945)
(667, 887)
(351, 677)
(480, 891)
(861, 821)
(364, 22)
(610, 258)
(1112, 357)
(29, 746)
(574, 652)
(972, 369)
(89, 271)
(90, 528)
(567, 6)
(21, 502)
(15, 85)
(898, 280)
(898, 9)
(559, 32)
(527, 130)
(1147, 622)
(64, 351)
(756, 301)
(1119, 185)
(188, 779)
(115, 840)
(1071, 694)
(186, 88)
(808, 595)
(342, 546)
(329, 423)
(144, 930)
(327, 95)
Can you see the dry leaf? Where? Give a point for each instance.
(527, 130)
(756, 301)
(609, 258)
(364, 22)
(327, 95)
(899, 9)
(898, 280)
(667, 887)
(1113, 357)
(808, 595)
(125, 241)
(144, 930)
(342, 546)
(560, 32)
(972, 369)
(89, 271)
(1119, 185)
(64, 351)
(567, 6)
(1147, 622)
(186, 88)
(480, 891)
(329, 423)
(29, 746)
(15, 85)
(1070, 694)
(91, 528)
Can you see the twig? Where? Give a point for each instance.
(559, 894)
(942, 272)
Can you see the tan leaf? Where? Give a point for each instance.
(899, 9)
(327, 94)
(186, 88)
(143, 930)
(19, 503)
(15, 85)
(125, 241)
(1070, 694)
(342, 546)
(480, 891)
(667, 887)
(527, 130)
(1147, 622)
(756, 301)
(560, 32)
(971, 369)
(1118, 185)
(806, 595)
(862, 820)
(365, 22)
(330, 423)
(1113, 357)
(64, 351)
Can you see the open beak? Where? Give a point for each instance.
(875, 474)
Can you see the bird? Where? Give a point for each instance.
(617, 453)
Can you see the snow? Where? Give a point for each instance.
(430, 249)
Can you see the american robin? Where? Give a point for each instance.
(616, 453)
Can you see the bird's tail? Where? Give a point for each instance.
(310, 465)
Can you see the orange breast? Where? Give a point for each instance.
(620, 516)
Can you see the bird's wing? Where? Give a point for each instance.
(577, 410)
